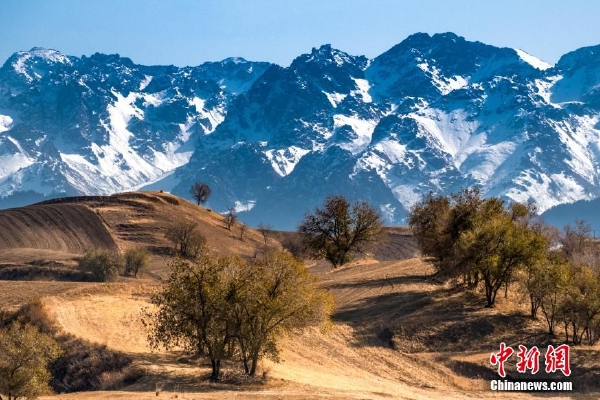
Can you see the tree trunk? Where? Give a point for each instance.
(254, 363)
(534, 307)
(490, 295)
(216, 370)
(246, 367)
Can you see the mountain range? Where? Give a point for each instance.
(433, 113)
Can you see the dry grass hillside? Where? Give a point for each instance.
(51, 234)
(397, 333)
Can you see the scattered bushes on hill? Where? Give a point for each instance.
(103, 265)
(26, 272)
(89, 366)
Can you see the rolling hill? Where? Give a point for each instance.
(397, 333)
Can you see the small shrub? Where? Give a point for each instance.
(186, 238)
(136, 260)
(104, 266)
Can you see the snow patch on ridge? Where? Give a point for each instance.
(361, 127)
(144, 84)
(284, 161)
(214, 116)
(444, 84)
(335, 98)
(452, 130)
(547, 190)
(363, 90)
(533, 61)
(117, 162)
(5, 123)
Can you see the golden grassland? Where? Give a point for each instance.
(397, 331)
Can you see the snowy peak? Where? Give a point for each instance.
(328, 56)
(578, 75)
(432, 66)
(34, 64)
(433, 113)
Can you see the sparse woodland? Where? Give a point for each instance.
(483, 243)
(234, 311)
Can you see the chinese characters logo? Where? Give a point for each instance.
(556, 359)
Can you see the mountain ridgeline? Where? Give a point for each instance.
(433, 113)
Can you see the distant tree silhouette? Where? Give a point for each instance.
(230, 218)
(200, 192)
(265, 230)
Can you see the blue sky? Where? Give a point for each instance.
(189, 32)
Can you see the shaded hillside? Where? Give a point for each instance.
(61, 227)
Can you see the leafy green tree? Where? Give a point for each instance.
(544, 282)
(193, 310)
(24, 357)
(340, 229)
(496, 248)
(429, 221)
(478, 239)
(580, 308)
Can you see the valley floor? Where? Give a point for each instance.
(438, 346)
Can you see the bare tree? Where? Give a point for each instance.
(243, 229)
(340, 229)
(200, 192)
(265, 230)
(230, 217)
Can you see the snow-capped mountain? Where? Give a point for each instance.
(102, 124)
(432, 113)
